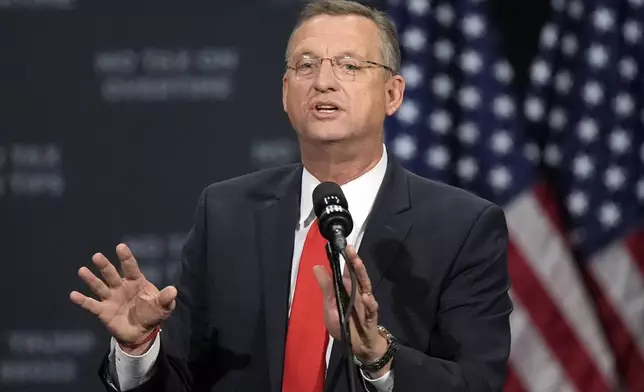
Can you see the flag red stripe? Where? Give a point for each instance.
(635, 245)
(512, 382)
(629, 361)
(548, 202)
(573, 357)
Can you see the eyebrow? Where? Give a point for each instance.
(307, 52)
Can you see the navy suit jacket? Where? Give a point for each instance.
(436, 256)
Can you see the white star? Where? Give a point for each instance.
(418, 7)
(632, 32)
(534, 109)
(473, 26)
(593, 93)
(558, 119)
(619, 141)
(563, 82)
(404, 147)
(440, 121)
(503, 106)
(588, 130)
(468, 133)
(471, 62)
(469, 97)
(597, 56)
(577, 203)
(639, 190)
(540, 72)
(501, 142)
(467, 168)
(503, 72)
(628, 68)
(531, 152)
(569, 45)
(614, 178)
(437, 157)
(552, 155)
(414, 39)
(576, 9)
(408, 112)
(442, 86)
(443, 50)
(624, 105)
(609, 215)
(583, 167)
(549, 36)
(413, 75)
(603, 19)
(500, 178)
(444, 14)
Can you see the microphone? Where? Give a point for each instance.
(331, 208)
(335, 225)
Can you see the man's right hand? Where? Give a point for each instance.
(130, 307)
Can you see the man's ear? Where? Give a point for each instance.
(395, 92)
(284, 91)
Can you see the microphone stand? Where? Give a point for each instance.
(342, 302)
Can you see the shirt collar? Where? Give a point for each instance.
(360, 193)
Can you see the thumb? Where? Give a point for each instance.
(324, 280)
(167, 298)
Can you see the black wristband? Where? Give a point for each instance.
(387, 356)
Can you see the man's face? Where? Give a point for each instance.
(332, 105)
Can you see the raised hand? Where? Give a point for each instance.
(367, 342)
(130, 307)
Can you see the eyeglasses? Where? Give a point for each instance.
(344, 68)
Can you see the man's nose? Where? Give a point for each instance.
(326, 79)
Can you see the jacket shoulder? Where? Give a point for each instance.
(257, 183)
(444, 199)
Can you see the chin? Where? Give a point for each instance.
(326, 133)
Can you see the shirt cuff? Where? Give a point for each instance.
(134, 370)
(385, 383)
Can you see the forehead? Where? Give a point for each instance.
(328, 35)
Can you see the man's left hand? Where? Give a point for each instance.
(367, 342)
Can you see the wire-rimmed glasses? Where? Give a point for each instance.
(345, 68)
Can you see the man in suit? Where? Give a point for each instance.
(253, 307)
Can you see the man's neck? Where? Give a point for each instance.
(339, 162)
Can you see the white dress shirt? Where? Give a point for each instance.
(360, 193)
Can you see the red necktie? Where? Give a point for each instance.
(307, 337)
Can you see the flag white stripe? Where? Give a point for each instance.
(621, 280)
(531, 358)
(544, 249)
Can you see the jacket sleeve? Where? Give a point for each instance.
(470, 347)
(179, 366)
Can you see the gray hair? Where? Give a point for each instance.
(389, 49)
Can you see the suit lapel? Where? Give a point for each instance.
(386, 229)
(276, 221)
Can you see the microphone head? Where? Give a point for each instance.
(325, 194)
(331, 208)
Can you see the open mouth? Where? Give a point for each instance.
(326, 108)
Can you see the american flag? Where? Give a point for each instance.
(565, 165)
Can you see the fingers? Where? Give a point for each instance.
(364, 283)
(97, 286)
(167, 298)
(128, 262)
(325, 281)
(108, 271)
(86, 303)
